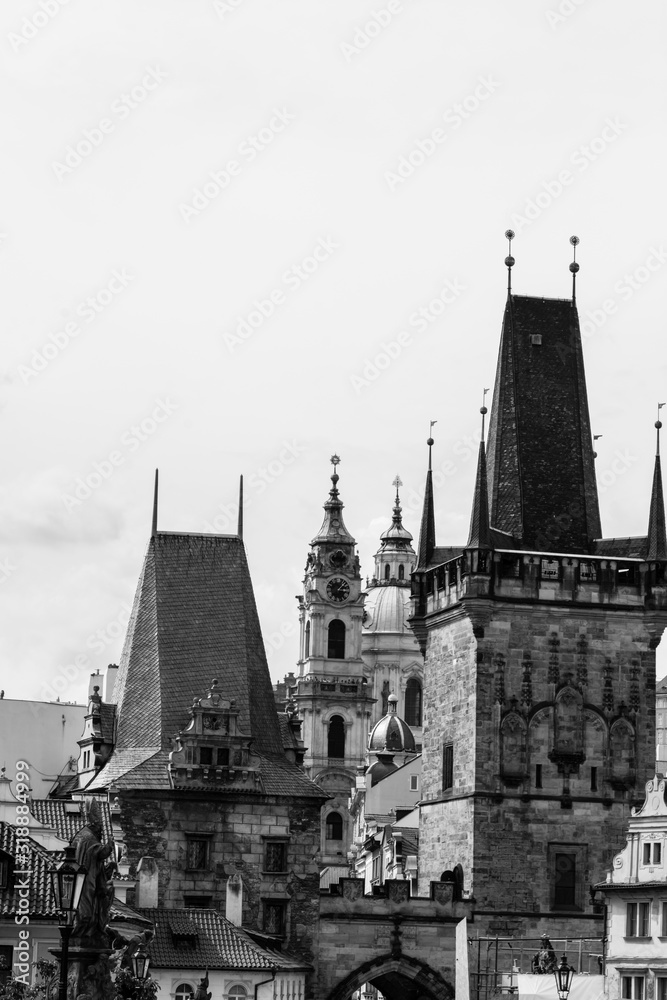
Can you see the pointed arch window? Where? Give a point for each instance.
(401, 572)
(336, 644)
(413, 702)
(306, 645)
(336, 739)
(387, 571)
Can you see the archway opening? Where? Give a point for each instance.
(393, 979)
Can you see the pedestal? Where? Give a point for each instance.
(89, 973)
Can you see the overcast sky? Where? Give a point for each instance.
(239, 236)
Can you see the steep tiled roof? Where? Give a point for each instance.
(194, 618)
(58, 814)
(628, 548)
(107, 718)
(479, 536)
(540, 456)
(39, 864)
(656, 548)
(141, 767)
(218, 944)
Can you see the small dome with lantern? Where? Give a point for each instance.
(392, 733)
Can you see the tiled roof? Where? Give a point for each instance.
(194, 618)
(290, 742)
(107, 718)
(278, 777)
(39, 863)
(218, 943)
(629, 548)
(540, 456)
(57, 814)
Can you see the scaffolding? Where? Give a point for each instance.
(495, 962)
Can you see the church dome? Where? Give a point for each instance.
(387, 609)
(391, 732)
(383, 766)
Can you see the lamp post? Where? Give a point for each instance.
(68, 879)
(140, 962)
(563, 976)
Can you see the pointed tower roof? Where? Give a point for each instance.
(427, 531)
(194, 617)
(479, 537)
(541, 475)
(656, 547)
(396, 533)
(333, 527)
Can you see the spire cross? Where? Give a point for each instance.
(509, 260)
(574, 267)
(397, 482)
(658, 425)
(335, 460)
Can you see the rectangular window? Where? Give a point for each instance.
(646, 854)
(565, 887)
(275, 856)
(201, 902)
(657, 854)
(632, 987)
(538, 776)
(414, 782)
(661, 988)
(637, 918)
(447, 766)
(588, 571)
(377, 868)
(663, 929)
(206, 755)
(550, 569)
(594, 779)
(4, 874)
(223, 756)
(274, 918)
(197, 853)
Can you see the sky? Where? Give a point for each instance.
(237, 236)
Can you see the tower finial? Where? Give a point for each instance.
(483, 410)
(430, 442)
(335, 461)
(239, 530)
(658, 425)
(155, 493)
(574, 267)
(509, 260)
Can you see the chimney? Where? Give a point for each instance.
(147, 888)
(234, 902)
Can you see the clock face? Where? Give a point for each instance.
(338, 590)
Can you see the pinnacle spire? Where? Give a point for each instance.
(427, 531)
(479, 537)
(333, 528)
(657, 535)
(155, 498)
(239, 530)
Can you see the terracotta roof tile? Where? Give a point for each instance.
(40, 864)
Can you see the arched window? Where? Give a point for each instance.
(386, 571)
(184, 992)
(413, 702)
(336, 741)
(236, 991)
(306, 650)
(401, 572)
(336, 649)
(334, 826)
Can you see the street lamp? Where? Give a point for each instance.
(68, 879)
(563, 976)
(140, 962)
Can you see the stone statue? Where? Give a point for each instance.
(545, 959)
(201, 993)
(92, 915)
(125, 948)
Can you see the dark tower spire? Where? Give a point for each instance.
(480, 537)
(154, 521)
(657, 536)
(427, 531)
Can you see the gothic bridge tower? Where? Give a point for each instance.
(539, 638)
(331, 693)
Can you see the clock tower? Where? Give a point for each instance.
(331, 692)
